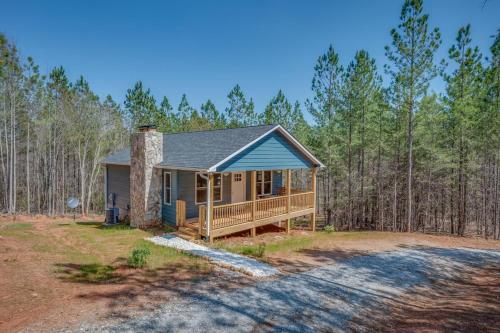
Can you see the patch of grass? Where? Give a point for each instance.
(168, 228)
(89, 273)
(111, 228)
(22, 231)
(329, 228)
(83, 244)
(18, 226)
(161, 255)
(253, 251)
(295, 243)
(139, 257)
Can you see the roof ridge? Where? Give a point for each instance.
(221, 129)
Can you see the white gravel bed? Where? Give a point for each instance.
(219, 257)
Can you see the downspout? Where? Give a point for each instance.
(209, 197)
(105, 187)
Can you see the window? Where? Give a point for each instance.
(237, 177)
(167, 189)
(264, 182)
(201, 188)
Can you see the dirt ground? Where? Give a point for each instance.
(36, 293)
(470, 303)
(303, 250)
(42, 287)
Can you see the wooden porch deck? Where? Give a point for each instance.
(215, 221)
(231, 218)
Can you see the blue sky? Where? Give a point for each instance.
(203, 48)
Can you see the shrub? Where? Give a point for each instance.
(254, 251)
(329, 228)
(139, 256)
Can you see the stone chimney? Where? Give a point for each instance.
(146, 150)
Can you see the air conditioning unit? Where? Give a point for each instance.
(112, 215)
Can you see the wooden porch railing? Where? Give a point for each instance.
(238, 213)
(231, 214)
(301, 201)
(270, 207)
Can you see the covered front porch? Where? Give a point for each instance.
(247, 211)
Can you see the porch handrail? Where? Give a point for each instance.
(269, 207)
(237, 213)
(232, 214)
(301, 201)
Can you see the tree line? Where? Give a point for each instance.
(398, 156)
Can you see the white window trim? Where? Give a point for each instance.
(196, 188)
(165, 188)
(262, 183)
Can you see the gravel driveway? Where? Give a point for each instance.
(325, 298)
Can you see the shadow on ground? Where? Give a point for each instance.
(307, 259)
(360, 291)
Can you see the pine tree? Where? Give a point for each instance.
(412, 56)
(360, 92)
(279, 111)
(326, 86)
(187, 115)
(212, 116)
(239, 112)
(463, 96)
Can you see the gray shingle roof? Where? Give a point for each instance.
(199, 150)
(120, 157)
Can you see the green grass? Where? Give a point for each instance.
(257, 251)
(18, 226)
(86, 273)
(292, 244)
(89, 252)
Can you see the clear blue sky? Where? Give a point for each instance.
(203, 48)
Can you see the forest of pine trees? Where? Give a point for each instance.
(398, 156)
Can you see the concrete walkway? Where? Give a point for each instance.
(325, 299)
(219, 257)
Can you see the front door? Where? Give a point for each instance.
(238, 187)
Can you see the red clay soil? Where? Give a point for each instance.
(34, 297)
(470, 303)
(327, 250)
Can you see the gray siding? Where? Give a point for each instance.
(186, 191)
(118, 182)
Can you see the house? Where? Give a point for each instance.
(215, 182)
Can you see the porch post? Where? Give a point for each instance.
(313, 215)
(253, 192)
(288, 191)
(210, 205)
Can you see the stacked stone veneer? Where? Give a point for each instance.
(146, 150)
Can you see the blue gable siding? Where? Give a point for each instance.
(168, 212)
(274, 152)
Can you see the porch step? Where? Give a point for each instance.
(192, 226)
(187, 233)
